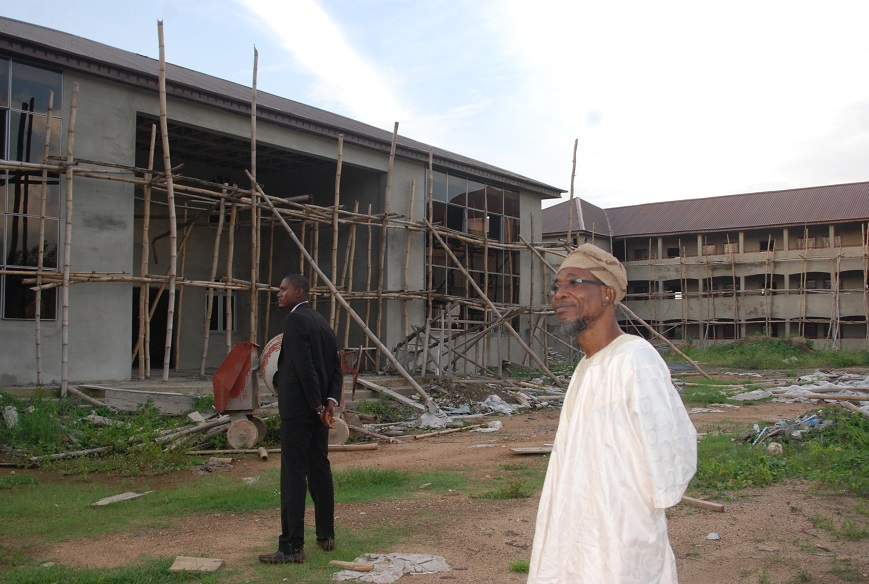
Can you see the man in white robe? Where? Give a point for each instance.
(625, 448)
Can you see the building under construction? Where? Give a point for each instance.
(149, 211)
(782, 263)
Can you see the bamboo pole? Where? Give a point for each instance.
(227, 295)
(571, 206)
(315, 244)
(429, 403)
(429, 268)
(339, 163)
(349, 286)
(144, 321)
(254, 211)
(384, 237)
(266, 337)
(493, 308)
(368, 279)
(209, 295)
(179, 312)
(67, 244)
(407, 234)
(170, 195)
(40, 263)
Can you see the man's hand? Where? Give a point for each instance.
(327, 416)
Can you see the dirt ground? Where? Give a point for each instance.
(766, 535)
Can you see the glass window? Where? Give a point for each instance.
(455, 217)
(457, 189)
(439, 214)
(511, 203)
(439, 187)
(3, 115)
(22, 241)
(27, 137)
(31, 87)
(4, 83)
(495, 201)
(25, 191)
(476, 195)
(218, 312)
(19, 301)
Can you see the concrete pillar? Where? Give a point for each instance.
(785, 239)
(699, 245)
(741, 242)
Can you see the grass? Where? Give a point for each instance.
(35, 515)
(837, 455)
(773, 353)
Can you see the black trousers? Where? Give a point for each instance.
(305, 466)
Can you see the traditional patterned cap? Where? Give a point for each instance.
(603, 265)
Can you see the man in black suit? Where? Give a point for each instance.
(309, 382)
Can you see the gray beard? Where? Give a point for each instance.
(572, 328)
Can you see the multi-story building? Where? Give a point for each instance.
(781, 263)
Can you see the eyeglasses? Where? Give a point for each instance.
(572, 284)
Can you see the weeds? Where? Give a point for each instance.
(773, 353)
(515, 489)
(520, 566)
(837, 455)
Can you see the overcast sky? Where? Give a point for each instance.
(668, 100)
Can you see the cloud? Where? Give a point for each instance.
(344, 79)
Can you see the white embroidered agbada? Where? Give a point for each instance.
(624, 451)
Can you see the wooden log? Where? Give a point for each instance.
(71, 454)
(388, 392)
(353, 566)
(450, 431)
(849, 406)
(118, 498)
(87, 398)
(829, 396)
(370, 434)
(703, 504)
(221, 421)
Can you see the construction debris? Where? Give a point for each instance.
(117, 498)
(388, 568)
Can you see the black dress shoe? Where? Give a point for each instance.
(327, 544)
(279, 557)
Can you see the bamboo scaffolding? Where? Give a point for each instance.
(227, 296)
(144, 321)
(407, 233)
(170, 195)
(40, 262)
(429, 403)
(179, 312)
(338, 164)
(384, 238)
(492, 306)
(209, 295)
(571, 207)
(349, 283)
(254, 211)
(266, 336)
(67, 244)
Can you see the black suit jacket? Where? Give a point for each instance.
(309, 369)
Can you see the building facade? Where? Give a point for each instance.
(99, 216)
(783, 263)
